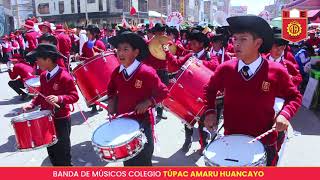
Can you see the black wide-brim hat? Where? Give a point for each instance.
(44, 49)
(134, 40)
(254, 24)
(198, 36)
(159, 27)
(277, 35)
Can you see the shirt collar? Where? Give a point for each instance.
(215, 52)
(53, 71)
(199, 54)
(278, 59)
(131, 68)
(252, 67)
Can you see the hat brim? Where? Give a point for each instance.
(44, 25)
(253, 24)
(133, 39)
(35, 54)
(28, 26)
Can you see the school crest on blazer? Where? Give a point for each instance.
(138, 84)
(265, 86)
(55, 86)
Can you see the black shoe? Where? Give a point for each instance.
(93, 110)
(162, 117)
(187, 145)
(24, 97)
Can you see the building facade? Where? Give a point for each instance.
(75, 12)
(6, 17)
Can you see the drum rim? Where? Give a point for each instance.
(211, 163)
(118, 145)
(143, 141)
(23, 118)
(38, 147)
(26, 82)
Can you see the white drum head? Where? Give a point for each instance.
(117, 132)
(234, 150)
(31, 115)
(33, 82)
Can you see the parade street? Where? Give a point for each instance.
(302, 149)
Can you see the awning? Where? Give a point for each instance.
(156, 14)
(303, 4)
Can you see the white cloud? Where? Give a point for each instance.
(254, 6)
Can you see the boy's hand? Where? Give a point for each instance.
(143, 106)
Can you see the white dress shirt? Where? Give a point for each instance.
(253, 67)
(131, 68)
(52, 72)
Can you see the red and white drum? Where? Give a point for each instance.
(94, 75)
(235, 150)
(118, 140)
(186, 98)
(34, 130)
(32, 85)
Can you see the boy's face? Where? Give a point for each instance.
(126, 54)
(45, 41)
(43, 63)
(217, 45)
(276, 50)
(44, 29)
(245, 45)
(195, 45)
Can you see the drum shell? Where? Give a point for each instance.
(186, 97)
(33, 90)
(35, 133)
(94, 76)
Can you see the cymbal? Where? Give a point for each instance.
(155, 47)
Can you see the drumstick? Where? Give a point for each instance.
(262, 135)
(126, 114)
(104, 106)
(55, 104)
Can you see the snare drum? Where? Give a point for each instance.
(94, 75)
(118, 140)
(34, 130)
(234, 150)
(33, 85)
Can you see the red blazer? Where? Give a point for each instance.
(61, 85)
(22, 70)
(248, 104)
(88, 53)
(64, 44)
(31, 38)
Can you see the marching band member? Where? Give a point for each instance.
(198, 43)
(20, 69)
(218, 42)
(45, 27)
(6, 49)
(173, 34)
(251, 85)
(161, 66)
(277, 55)
(81, 33)
(31, 36)
(50, 39)
(135, 86)
(64, 42)
(58, 87)
(93, 44)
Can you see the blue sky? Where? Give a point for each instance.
(254, 6)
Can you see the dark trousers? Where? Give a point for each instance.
(144, 158)
(17, 85)
(163, 75)
(6, 57)
(272, 155)
(59, 154)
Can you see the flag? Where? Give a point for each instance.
(150, 23)
(124, 23)
(133, 11)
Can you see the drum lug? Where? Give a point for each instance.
(28, 123)
(104, 59)
(97, 91)
(190, 72)
(129, 149)
(180, 86)
(85, 68)
(200, 100)
(170, 99)
(32, 144)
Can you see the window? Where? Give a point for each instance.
(72, 6)
(61, 7)
(91, 1)
(43, 8)
(100, 5)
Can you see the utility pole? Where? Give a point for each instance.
(87, 18)
(17, 14)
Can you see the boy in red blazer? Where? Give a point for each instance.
(135, 86)
(58, 87)
(251, 85)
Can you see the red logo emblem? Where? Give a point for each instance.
(294, 25)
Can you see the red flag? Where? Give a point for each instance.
(133, 11)
(150, 23)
